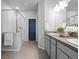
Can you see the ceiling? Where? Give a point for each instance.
(23, 4)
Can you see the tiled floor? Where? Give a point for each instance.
(29, 50)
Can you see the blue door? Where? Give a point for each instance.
(32, 29)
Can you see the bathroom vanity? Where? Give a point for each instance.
(59, 47)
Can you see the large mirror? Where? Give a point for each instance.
(72, 13)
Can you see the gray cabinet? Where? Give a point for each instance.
(50, 47)
(57, 50)
(53, 49)
(53, 52)
(47, 44)
(62, 55)
(63, 52)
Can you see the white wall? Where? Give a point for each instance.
(29, 15)
(53, 19)
(41, 24)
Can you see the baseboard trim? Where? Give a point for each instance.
(17, 49)
(25, 40)
(41, 48)
(10, 49)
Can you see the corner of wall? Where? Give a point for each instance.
(41, 47)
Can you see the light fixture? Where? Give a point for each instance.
(56, 8)
(62, 4)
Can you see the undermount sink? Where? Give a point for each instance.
(74, 41)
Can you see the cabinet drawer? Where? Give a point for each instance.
(61, 55)
(53, 41)
(67, 50)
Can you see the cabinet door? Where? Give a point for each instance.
(67, 51)
(45, 39)
(62, 55)
(47, 44)
(47, 47)
(53, 51)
